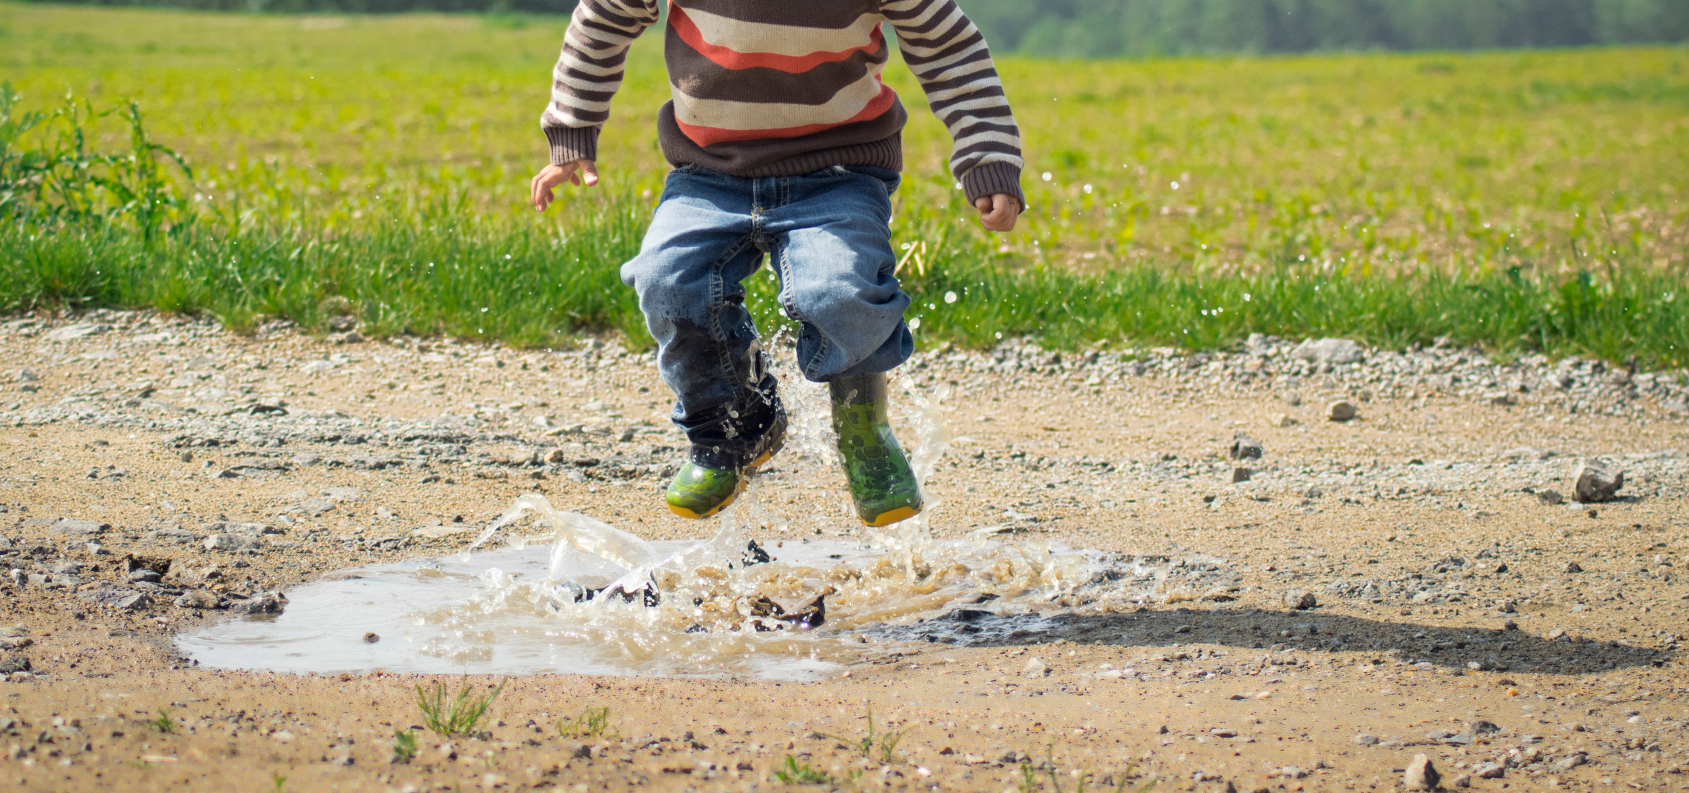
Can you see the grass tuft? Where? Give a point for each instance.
(164, 723)
(591, 723)
(454, 715)
(793, 771)
(874, 745)
(404, 746)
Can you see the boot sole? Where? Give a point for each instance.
(894, 516)
(727, 502)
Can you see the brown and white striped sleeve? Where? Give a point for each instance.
(589, 71)
(950, 58)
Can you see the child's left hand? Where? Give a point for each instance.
(998, 211)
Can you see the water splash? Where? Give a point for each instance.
(572, 593)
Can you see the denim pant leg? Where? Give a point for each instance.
(687, 274)
(832, 250)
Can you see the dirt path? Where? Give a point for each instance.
(1517, 643)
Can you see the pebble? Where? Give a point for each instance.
(1552, 498)
(371, 637)
(1574, 567)
(1421, 774)
(1489, 771)
(1036, 669)
(198, 599)
(232, 542)
(264, 603)
(1329, 352)
(1341, 410)
(1300, 599)
(1246, 448)
(1366, 740)
(1570, 761)
(74, 526)
(1462, 781)
(1595, 482)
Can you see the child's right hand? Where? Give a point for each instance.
(581, 172)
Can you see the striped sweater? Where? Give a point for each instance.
(772, 88)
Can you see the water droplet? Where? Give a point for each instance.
(915, 323)
(949, 297)
(1175, 185)
(1046, 176)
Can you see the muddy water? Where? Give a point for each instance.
(512, 611)
(568, 593)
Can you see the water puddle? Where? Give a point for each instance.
(569, 594)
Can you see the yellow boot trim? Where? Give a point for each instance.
(725, 503)
(899, 514)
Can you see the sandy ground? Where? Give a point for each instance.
(1459, 613)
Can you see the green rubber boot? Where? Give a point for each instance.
(881, 481)
(700, 491)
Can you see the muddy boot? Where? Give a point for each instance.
(700, 490)
(881, 481)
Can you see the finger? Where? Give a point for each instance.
(589, 173)
(574, 178)
(983, 204)
(537, 193)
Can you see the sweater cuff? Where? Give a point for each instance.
(993, 177)
(569, 144)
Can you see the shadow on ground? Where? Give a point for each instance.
(1306, 631)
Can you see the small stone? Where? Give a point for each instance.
(1462, 781)
(1366, 740)
(1482, 727)
(231, 543)
(1570, 761)
(344, 759)
(1223, 732)
(1246, 448)
(1291, 772)
(1329, 351)
(1574, 567)
(1421, 774)
(198, 599)
(1036, 669)
(1242, 474)
(1341, 411)
(1555, 634)
(1300, 599)
(371, 637)
(1291, 398)
(1551, 498)
(1283, 420)
(264, 603)
(80, 528)
(1489, 770)
(27, 376)
(1595, 482)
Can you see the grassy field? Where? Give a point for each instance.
(1525, 200)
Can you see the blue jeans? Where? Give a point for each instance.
(829, 241)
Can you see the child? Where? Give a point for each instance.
(785, 143)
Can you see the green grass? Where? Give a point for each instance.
(404, 746)
(793, 771)
(1526, 201)
(591, 723)
(454, 715)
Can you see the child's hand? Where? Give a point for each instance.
(580, 172)
(998, 211)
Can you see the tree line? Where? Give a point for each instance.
(1106, 28)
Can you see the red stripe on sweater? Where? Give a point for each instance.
(709, 136)
(733, 59)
